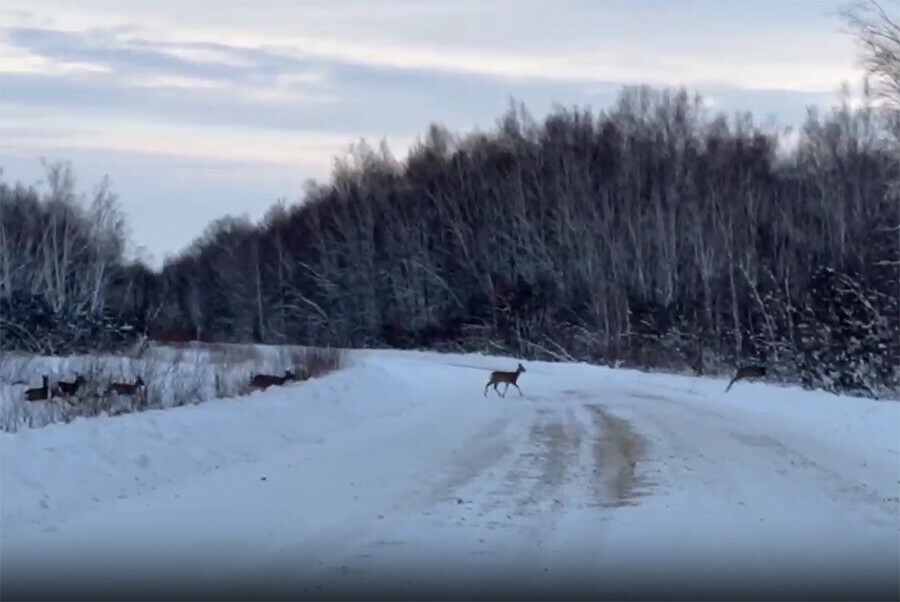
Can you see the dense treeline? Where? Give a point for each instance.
(651, 233)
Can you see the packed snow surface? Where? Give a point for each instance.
(396, 476)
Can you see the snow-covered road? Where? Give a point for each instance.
(397, 478)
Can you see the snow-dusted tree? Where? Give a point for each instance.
(877, 32)
(57, 261)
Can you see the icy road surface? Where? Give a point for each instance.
(396, 478)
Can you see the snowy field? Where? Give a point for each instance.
(395, 477)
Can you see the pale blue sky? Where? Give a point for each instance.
(198, 109)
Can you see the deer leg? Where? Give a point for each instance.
(520, 390)
(486, 388)
(733, 380)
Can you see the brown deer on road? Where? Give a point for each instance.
(264, 381)
(41, 393)
(509, 378)
(751, 371)
(125, 388)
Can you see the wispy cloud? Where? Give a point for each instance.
(662, 42)
(251, 145)
(209, 54)
(14, 59)
(177, 81)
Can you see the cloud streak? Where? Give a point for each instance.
(592, 42)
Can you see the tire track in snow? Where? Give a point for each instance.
(617, 450)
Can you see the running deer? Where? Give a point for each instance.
(40, 393)
(70, 388)
(264, 381)
(752, 371)
(509, 378)
(125, 388)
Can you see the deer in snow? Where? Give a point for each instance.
(125, 388)
(751, 371)
(70, 388)
(508, 378)
(264, 381)
(39, 393)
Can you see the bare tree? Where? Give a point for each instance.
(878, 35)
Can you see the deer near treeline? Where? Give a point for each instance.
(69, 389)
(264, 381)
(125, 388)
(508, 378)
(748, 372)
(41, 393)
(60, 389)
